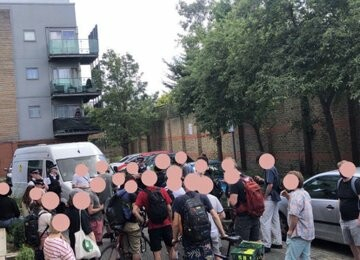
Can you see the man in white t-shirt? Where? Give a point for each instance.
(215, 236)
(81, 182)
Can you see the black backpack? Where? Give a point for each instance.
(196, 224)
(31, 225)
(157, 210)
(118, 209)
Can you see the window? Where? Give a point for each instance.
(34, 112)
(29, 36)
(66, 111)
(323, 187)
(34, 165)
(32, 73)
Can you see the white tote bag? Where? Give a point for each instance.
(85, 247)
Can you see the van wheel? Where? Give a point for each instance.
(284, 226)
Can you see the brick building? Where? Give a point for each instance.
(42, 87)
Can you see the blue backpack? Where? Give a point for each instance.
(118, 210)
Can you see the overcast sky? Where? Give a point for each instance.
(147, 29)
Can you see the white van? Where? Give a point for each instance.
(66, 156)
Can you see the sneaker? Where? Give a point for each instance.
(267, 250)
(277, 246)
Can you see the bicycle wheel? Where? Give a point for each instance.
(110, 253)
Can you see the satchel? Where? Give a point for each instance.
(85, 247)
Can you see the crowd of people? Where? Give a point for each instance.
(184, 215)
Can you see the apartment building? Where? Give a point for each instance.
(42, 88)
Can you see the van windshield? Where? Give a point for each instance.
(67, 166)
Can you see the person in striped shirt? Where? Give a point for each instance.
(56, 246)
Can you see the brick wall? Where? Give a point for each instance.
(8, 114)
(281, 136)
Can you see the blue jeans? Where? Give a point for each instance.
(297, 248)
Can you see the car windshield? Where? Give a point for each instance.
(67, 166)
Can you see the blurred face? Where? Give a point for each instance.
(54, 171)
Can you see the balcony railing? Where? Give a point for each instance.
(73, 87)
(74, 126)
(86, 50)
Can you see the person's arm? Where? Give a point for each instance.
(292, 224)
(222, 215)
(268, 189)
(218, 223)
(285, 194)
(169, 209)
(91, 210)
(136, 212)
(176, 226)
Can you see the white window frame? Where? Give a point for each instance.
(34, 112)
(29, 36)
(30, 75)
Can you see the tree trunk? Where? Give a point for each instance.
(242, 147)
(258, 137)
(219, 147)
(308, 131)
(329, 121)
(353, 110)
(148, 142)
(139, 144)
(125, 147)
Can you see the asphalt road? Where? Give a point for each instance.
(320, 250)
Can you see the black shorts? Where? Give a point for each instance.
(160, 234)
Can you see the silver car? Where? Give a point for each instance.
(322, 189)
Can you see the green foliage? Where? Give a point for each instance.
(128, 111)
(17, 234)
(164, 99)
(243, 58)
(25, 253)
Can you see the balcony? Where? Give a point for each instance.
(74, 87)
(74, 126)
(83, 51)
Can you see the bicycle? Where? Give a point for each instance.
(114, 250)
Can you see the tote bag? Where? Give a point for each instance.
(85, 247)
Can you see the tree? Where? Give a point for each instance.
(127, 110)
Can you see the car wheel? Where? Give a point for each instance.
(284, 226)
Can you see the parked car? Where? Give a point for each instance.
(322, 189)
(150, 160)
(125, 160)
(134, 157)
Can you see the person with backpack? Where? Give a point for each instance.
(157, 204)
(119, 215)
(36, 227)
(190, 216)
(348, 192)
(247, 200)
(270, 219)
(300, 221)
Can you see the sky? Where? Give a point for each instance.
(147, 29)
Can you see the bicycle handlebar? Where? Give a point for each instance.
(232, 239)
